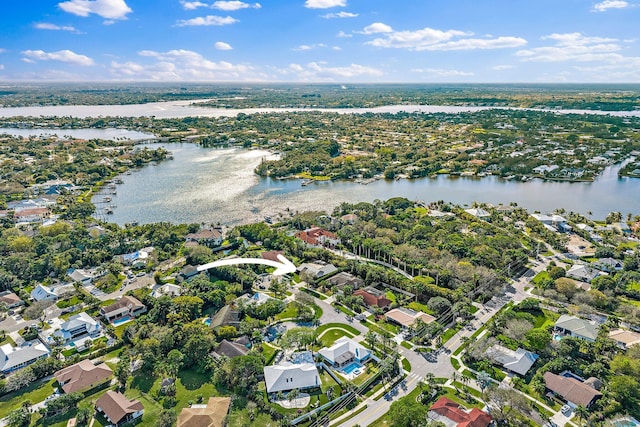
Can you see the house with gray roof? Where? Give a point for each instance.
(14, 358)
(287, 376)
(518, 361)
(583, 273)
(576, 327)
(78, 327)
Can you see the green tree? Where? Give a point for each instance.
(20, 417)
(408, 413)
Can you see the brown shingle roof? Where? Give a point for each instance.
(116, 406)
(123, 302)
(82, 375)
(211, 415)
(571, 389)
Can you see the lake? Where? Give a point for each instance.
(107, 134)
(181, 109)
(209, 185)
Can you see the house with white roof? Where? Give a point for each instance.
(287, 376)
(343, 352)
(14, 358)
(479, 213)
(50, 293)
(518, 361)
(79, 327)
(81, 276)
(317, 269)
(166, 289)
(257, 298)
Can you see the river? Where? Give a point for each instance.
(209, 185)
(181, 109)
(90, 133)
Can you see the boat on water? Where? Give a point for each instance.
(306, 182)
(108, 211)
(106, 199)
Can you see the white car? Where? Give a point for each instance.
(566, 409)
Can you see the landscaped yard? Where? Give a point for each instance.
(34, 393)
(288, 313)
(330, 336)
(348, 328)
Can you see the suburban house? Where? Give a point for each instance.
(553, 222)
(14, 358)
(50, 293)
(11, 299)
(479, 213)
(138, 257)
(127, 306)
(117, 409)
(343, 352)
(609, 265)
(518, 361)
(572, 390)
(83, 277)
(349, 218)
(31, 215)
(373, 296)
(83, 376)
(287, 376)
(212, 414)
(211, 237)
(188, 271)
(451, 414)
(166, 289)
(583, 273)
(624, 338)
(226, 316)
(576, 327)
(316, 269)
(231, 349)
(78, 327)
(407, 317)
(257, 298)
(317, 236)
(343, 279)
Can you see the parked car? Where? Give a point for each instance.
(565, 409)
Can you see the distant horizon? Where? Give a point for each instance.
(298, 83)
(321, 41)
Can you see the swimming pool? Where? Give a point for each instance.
(557, 337)
(626, 422)
(351, 367)
(121, 320)
(207, 321)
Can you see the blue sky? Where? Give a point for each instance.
(499, 41)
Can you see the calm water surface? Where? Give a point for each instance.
(107, 134)
(218, 185)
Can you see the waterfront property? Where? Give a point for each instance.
(82, 376)
(287, 376)
(344, 352)
(318, 237)
(15, 358)
(127, 306)
(117, 409)
(576, 327)
(210, 237)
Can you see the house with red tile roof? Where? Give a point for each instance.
(317, 236)
(451, 414)
(373, 296)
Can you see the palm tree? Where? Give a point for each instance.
(293, 395)
(582, 413)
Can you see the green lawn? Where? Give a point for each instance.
(288, 313)
(240, 418)
(420, 307)
(330, 336)
(406, 344)
(406, 365)
(348, 328)
(268, 352)
(449, 333)
(34, 393)
(540, 277)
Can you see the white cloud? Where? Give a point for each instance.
(340, 15)
(1, 66)
(605, 5)
(377, 27)
(234, 5)
(304, 47)
(222, 46)
(342, 34)
(192, 5)
(181, 65)
(319, 71)
(208, 20)
(336, 48)
(573, 47)
(66, 55)
(440, 72)
(324, 4)
(109, 9)
(54, 27)
(502, 67)
(434, 39)
(2, 50)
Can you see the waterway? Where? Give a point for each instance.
(106, 134)
(209, 185)
(181, 109)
